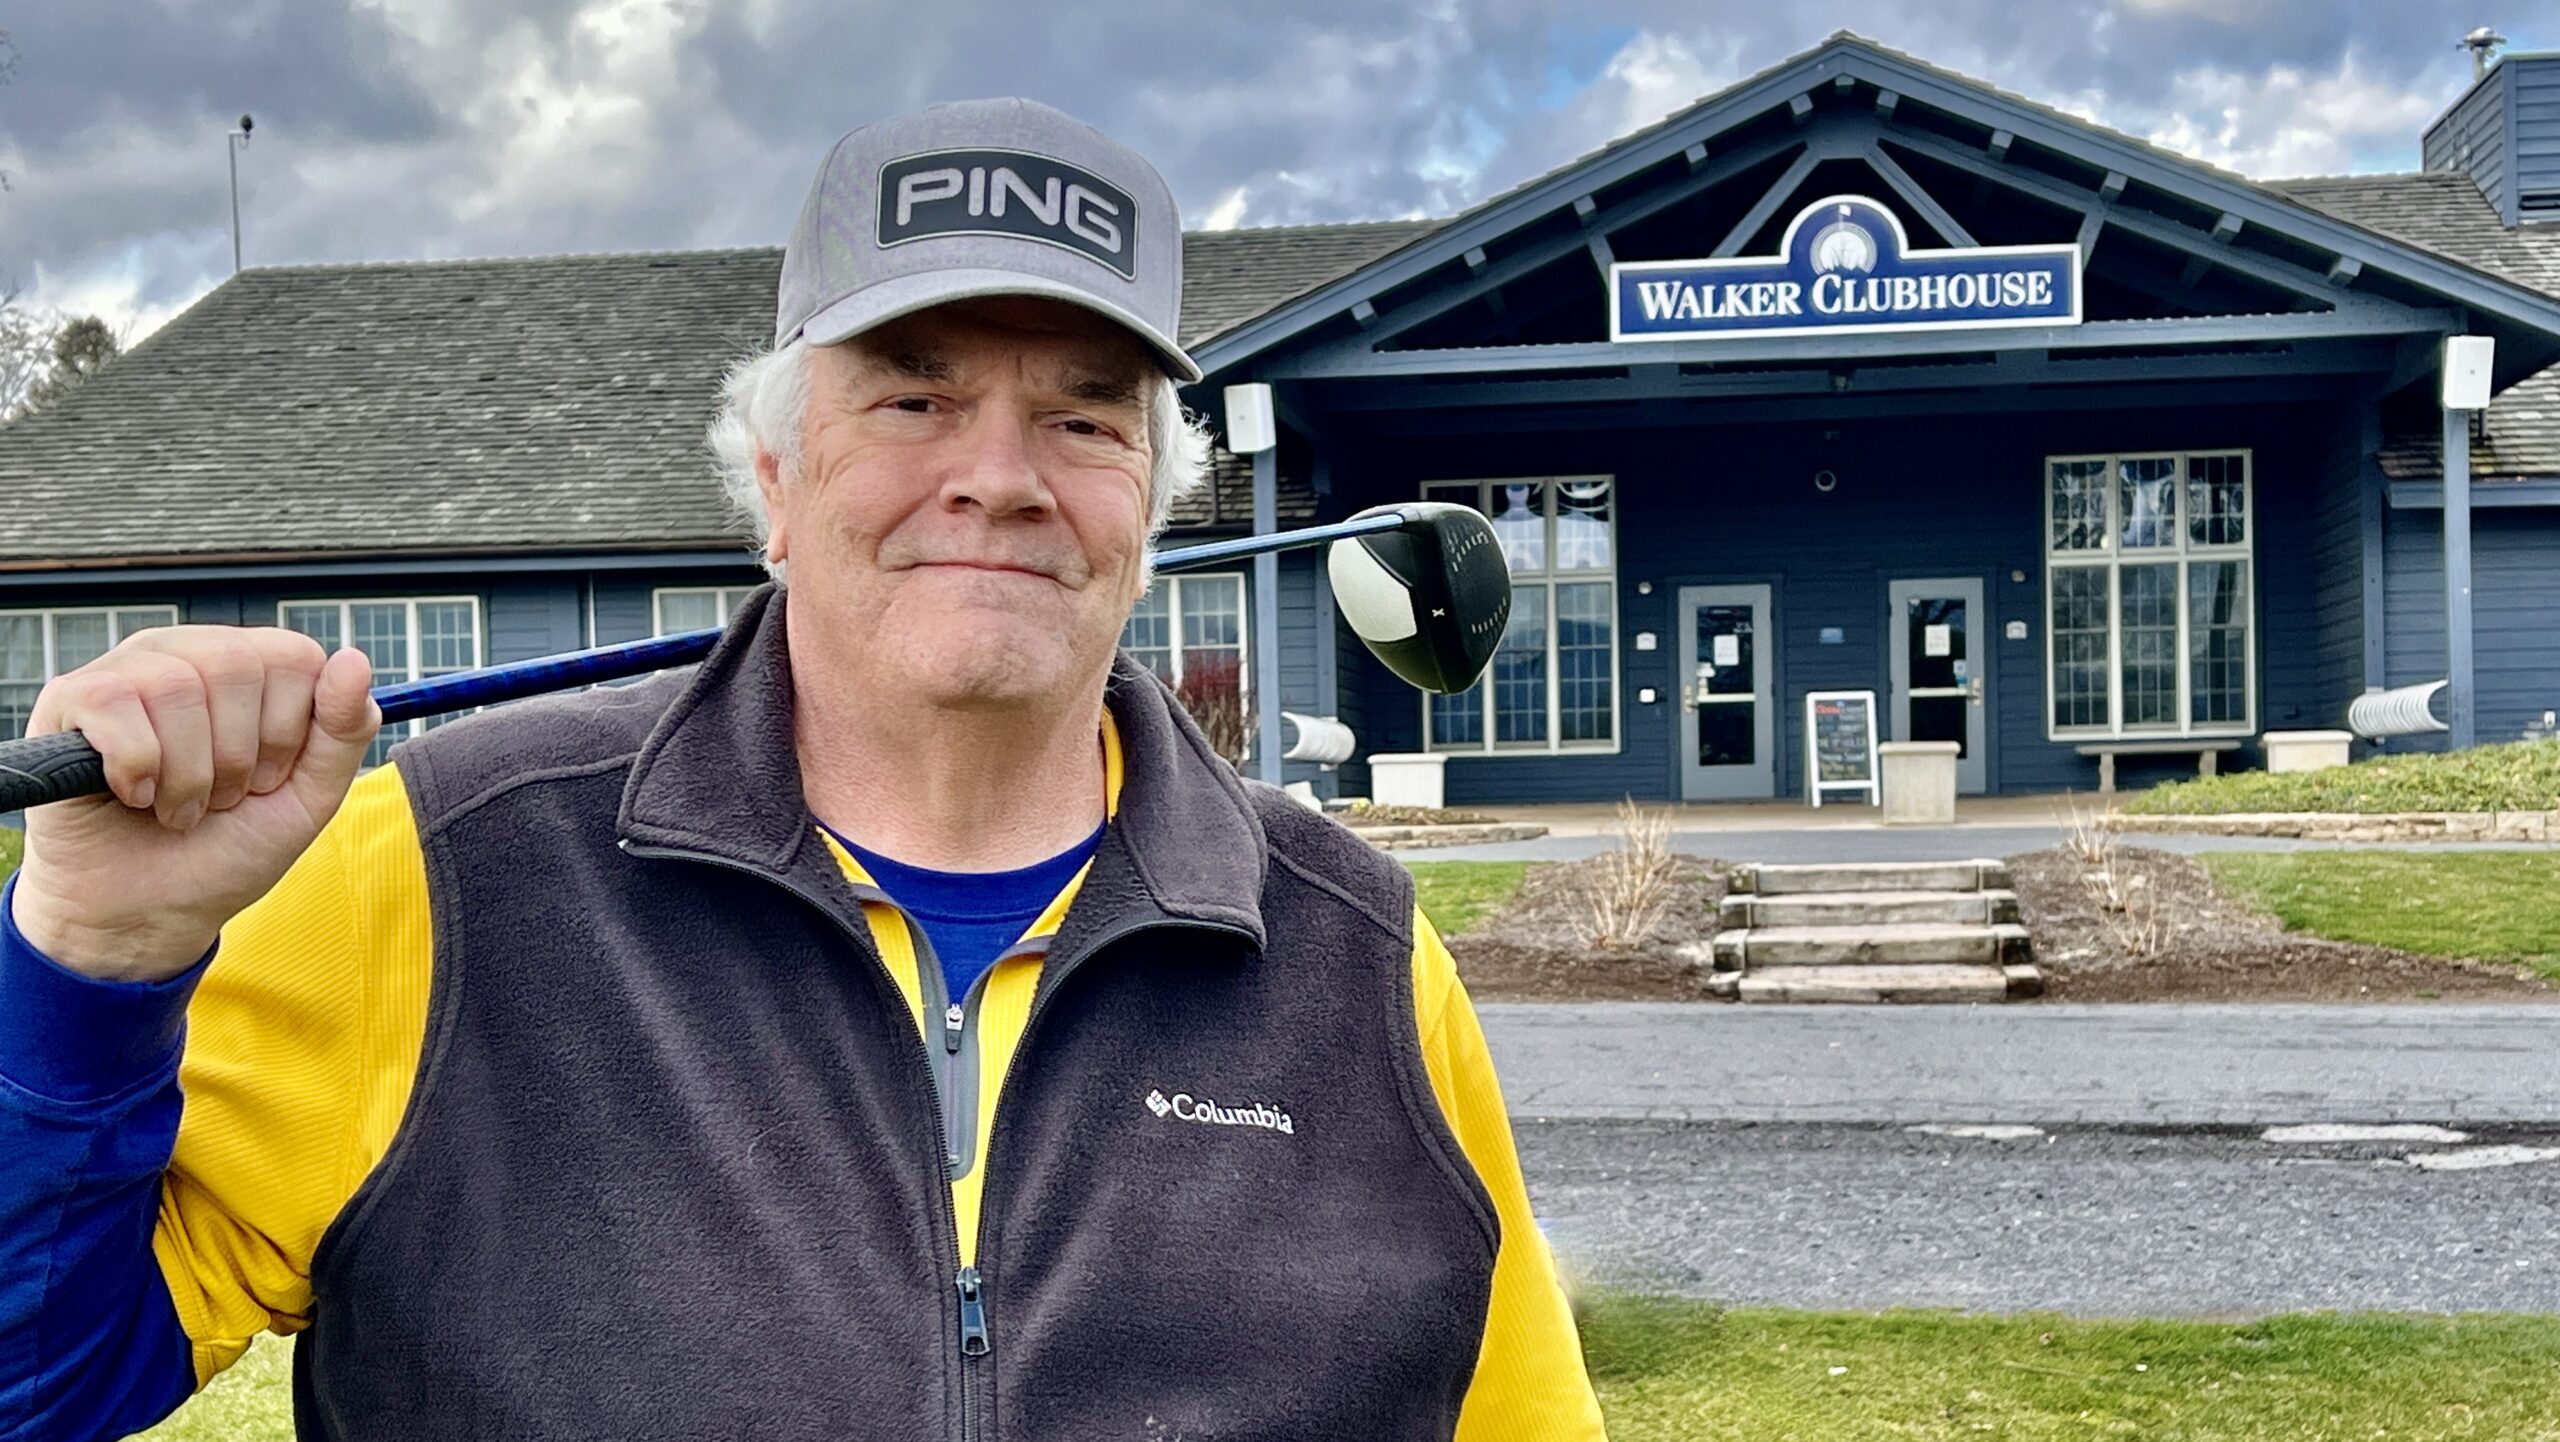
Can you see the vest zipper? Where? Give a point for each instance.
(973, 1313)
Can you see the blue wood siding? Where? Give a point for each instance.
(2535, 85)
(622, 599)
(2515, 602)
(2471, 137)
(1914, 499)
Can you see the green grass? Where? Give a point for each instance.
(250, 1402)
(1458, 894)
(2488, 905)
(1692, 1372)
(2518, 776)
(13, 844)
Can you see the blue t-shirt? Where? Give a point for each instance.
(970, 917)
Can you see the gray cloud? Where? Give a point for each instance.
(404, 128)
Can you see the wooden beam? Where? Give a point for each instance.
(1998, 149)
(1696, 154)
(1486, 279)
(1800, 109)
(1918, 199)
(1886, 100)
(1767, 205)
(1474, 259)
(2344, 270)
(1352, 358)
(1584, 207)
(1844, 83)
(1363, 313)
(2226, 226)
(1601, 255)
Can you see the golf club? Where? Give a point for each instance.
(1422, 583)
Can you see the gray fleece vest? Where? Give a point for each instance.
(672, 1167)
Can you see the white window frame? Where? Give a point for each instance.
(1548, 578)
(726, 598)
(2112, 559)
(48, 618)
(1244, 634)
(415, 726)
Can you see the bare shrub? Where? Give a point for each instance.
(1212, 690)
(1625, 891)
(2126, 904)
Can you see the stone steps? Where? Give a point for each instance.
(1874, 932)
(1870, 908)
(1758, 880)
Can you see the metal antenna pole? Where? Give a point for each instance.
(231, 144)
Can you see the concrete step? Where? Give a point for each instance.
(1750, 949)
(1870, 908)
(1874, 983)
(1758, 880)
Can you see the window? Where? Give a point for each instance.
(1189, 630)
(2148, 626)
(36, 646)
(694, 608)
(1553, 684)
(405, 639)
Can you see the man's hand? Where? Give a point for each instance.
(226, 749)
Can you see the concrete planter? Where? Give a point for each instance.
(1919, 782)
(1407, 779)
(2306, 750)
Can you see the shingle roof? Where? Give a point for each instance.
(553, 403)
(2444, 212)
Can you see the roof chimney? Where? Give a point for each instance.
(2480, 43)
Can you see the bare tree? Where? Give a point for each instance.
(26, 352)
(8, 67)
(81, 347)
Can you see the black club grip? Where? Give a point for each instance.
(38, 769)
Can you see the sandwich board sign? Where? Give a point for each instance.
(1845, 266)
(1840, 744)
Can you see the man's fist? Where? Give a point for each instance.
(226, 749)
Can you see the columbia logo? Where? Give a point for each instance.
(1183, 1106)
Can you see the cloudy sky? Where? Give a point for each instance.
(433, 128)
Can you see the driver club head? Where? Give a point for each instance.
(1430, 598)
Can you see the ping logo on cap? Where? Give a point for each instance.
(1009, 192)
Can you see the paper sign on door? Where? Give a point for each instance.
(1728, 650)
(1938, 640)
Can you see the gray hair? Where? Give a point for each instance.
(764, 400)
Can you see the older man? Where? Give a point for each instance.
(900, 1026)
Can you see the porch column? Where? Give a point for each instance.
(1266, 617)
(2457, 578)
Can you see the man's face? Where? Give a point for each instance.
(971, 502)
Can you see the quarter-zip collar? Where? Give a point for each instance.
(719, 776)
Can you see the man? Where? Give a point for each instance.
(899, 1026)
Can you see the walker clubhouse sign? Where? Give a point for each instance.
(1845, 266)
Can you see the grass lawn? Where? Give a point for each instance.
(2517, 776)
(13, 844)
(1691, 1371)
(2490, 905)
(1458, 894)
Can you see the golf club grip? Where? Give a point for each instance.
(38, 769)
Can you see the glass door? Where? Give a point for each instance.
(1937, 670)
(1728, 705)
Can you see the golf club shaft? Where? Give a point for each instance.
(38, 769)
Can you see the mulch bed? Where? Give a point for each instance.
(2215, 947)
(1531, 950)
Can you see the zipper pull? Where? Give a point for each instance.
(973, 1315)
(953, 1018)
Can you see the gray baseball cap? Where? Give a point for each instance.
(981, 198)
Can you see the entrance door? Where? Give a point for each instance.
(1938, 660)
(1728, 706)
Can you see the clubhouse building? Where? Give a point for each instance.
(1859, 375)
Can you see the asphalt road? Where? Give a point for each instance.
(2089, 1221)
(2156, 1065)
(1921, 843)
(1769, 1154)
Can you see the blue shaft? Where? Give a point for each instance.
(462, 690)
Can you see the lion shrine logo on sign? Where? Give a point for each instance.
(1845, 265)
